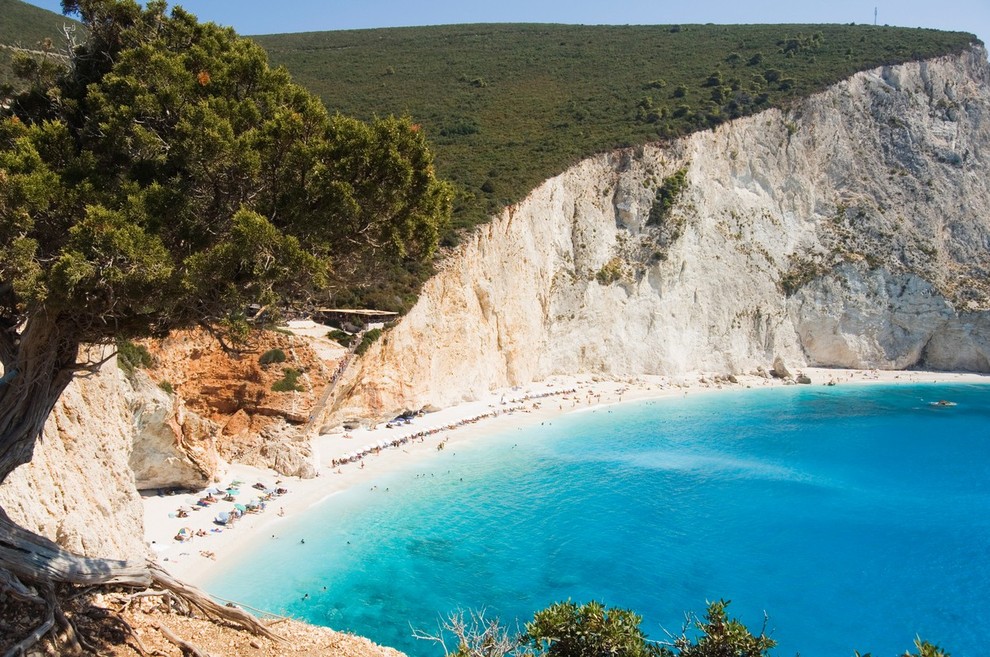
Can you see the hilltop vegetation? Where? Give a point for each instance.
(26, 26)
(508, 106)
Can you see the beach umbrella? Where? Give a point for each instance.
(233, 491)
(213, 491)
(222, 518)
(240, 507)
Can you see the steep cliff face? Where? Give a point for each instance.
(79, 489)
(852, 230)
(225, 406)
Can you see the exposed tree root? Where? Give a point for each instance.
(138, 644)
(31, 566)
(38, 633)
(67, 636)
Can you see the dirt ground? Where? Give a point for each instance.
(102, 622)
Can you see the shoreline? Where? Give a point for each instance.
(500, 411)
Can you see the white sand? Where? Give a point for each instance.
(508, 409)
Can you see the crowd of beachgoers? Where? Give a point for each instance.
(225, 518)
(511, 406)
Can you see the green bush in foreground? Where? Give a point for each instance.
(567, 629)
(721, 636)
(925, 649)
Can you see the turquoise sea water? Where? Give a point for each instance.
(856, 517)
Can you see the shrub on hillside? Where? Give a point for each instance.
(289, 381)
(667, 196)
(367, 340)
(132, 356)
(343, 338)
(271, 356)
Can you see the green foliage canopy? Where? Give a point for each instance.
(567, 629)
(171, 176)
(721, 636)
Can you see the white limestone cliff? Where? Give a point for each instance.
(852, 230)
(78, 490)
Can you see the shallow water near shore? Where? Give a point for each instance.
(856, 517)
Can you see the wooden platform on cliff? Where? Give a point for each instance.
(355, 317)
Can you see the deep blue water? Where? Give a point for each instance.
(856, 517)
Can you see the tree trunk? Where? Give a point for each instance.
(34, 378)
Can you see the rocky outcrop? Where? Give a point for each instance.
(962, 343)
(225, 405)
(852, 230)
(173, 447)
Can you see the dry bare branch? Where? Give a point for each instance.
(476, 636)
(188, 649)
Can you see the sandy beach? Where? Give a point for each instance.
(418, 439)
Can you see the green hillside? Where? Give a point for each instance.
(25, 26)
(508, 106)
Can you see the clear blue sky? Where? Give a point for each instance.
(268, 17)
